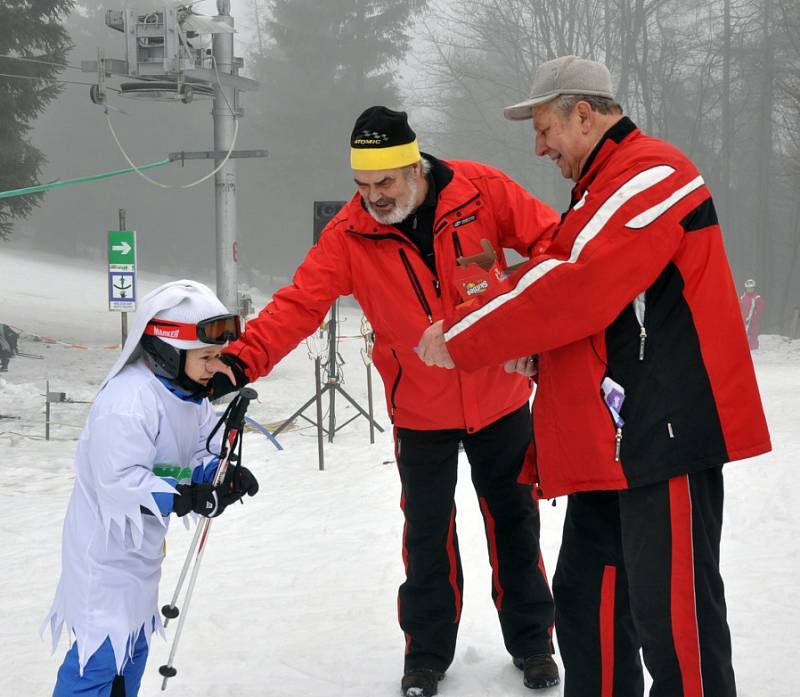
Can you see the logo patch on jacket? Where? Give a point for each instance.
(476, 288)
(459, 223)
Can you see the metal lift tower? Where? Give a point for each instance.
(168, 58)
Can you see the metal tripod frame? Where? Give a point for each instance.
(332, 386)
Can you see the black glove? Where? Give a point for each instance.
(239, 481)
(210, 501)
(220, 384)
(203, 499)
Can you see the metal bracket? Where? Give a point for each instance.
(237, 81)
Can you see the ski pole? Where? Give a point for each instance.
(170, 610)
(233, 431)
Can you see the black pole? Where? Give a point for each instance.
(369, 404)
(333, 376)
(123, 315)
(47, 410)
(318, 399)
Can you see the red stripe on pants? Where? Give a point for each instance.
(451, 555)
(487, 516)
(685, 633)
(607, 598)
(405, 567)
(540, 563)
(402, 505)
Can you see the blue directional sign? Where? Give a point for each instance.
(122, 291)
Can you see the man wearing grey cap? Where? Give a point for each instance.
(645, 388)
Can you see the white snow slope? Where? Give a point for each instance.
(297, 593)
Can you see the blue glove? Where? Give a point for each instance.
(205, 474)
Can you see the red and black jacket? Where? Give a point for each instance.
(636, 287)
(401, 296)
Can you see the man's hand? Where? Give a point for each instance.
(432, 348)
(527, 366)
(229, 375)
(217, 366)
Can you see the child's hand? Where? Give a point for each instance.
(210, 501)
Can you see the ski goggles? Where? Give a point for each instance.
(214, 330)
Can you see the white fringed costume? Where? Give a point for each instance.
(113, 550)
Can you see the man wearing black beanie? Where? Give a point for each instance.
(395, 246)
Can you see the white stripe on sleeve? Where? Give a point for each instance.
(642, 181)
(644, 219)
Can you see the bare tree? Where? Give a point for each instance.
(702, 75)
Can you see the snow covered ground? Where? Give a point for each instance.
(297, 594)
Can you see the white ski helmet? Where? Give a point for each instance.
(182, 302)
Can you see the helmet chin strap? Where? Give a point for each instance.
(161, 358)
(183, 381)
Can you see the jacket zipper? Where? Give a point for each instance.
(638, 310)
(457, 245)
(617, 431)
(437, 288)
(416, 285)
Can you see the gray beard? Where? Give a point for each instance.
(400, 212)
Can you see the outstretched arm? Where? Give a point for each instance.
(294, 313)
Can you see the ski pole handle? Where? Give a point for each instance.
(246, 395)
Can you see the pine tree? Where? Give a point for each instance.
(322, 64)
(33, 30)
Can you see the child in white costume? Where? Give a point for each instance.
(141, 456)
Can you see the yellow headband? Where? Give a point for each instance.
(393, 157)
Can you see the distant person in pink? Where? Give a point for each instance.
(752, 308)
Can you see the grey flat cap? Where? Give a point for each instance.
(564, 75)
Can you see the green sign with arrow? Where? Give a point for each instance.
(122, 250)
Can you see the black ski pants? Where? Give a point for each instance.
(640, 569)
(429, 602)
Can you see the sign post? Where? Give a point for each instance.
(122, 272)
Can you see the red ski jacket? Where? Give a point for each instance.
(401, 296)
(635, 287)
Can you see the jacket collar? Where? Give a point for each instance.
(606, 146)
(181, 393)
(440, 176)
